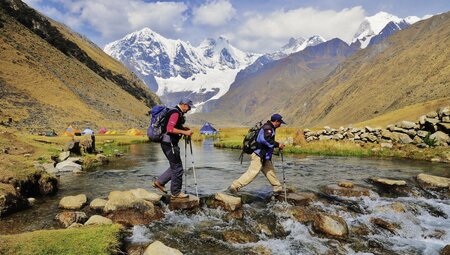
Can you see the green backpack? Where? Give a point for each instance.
(249, 145)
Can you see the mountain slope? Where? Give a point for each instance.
(50, 77)
(410, 67)
(255, 97)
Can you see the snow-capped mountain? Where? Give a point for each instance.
(299, 44)
(293, 46)
(373, 25)
(174, 68)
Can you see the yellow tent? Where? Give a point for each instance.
(134, 132)
(71, 131)
(112, 132)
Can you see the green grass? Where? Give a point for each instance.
(96, 240)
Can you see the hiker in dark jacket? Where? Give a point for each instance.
(174, 131)
(261, 158)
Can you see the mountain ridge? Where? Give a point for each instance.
(41, 66)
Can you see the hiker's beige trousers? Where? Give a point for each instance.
(253, 170)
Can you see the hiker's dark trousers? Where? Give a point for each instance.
(175, 171)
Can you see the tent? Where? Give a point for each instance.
(111, 132)
(133, 131)
(208, 129)
(102, 130)
(87, 131)
(71, 131)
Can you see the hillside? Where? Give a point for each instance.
(256, 96)
(409, 68)
(51, 77)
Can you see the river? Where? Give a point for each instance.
(424, 228)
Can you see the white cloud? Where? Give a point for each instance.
(214, 13)
(115, 18)
(278, 26)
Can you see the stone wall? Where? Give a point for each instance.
(431, 129)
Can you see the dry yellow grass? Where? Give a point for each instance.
(44, 88)
(411, 113)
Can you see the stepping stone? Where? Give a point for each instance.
(228, 202)
(73, 202)
(298, 198)
(67, 218)
(161, 249)
(330, 225)
(388, 182)
(98, 204)
(336, 190)
(188, 203)
(433, 182)
(98, 220)
(346, 184)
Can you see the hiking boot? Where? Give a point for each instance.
(179, 196)
(159, 186)
(232, 190)
(278, 193)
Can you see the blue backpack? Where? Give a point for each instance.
(157, 126)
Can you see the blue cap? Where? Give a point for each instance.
(187, 101)
(277, 117)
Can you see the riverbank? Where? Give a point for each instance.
(232, 138)
(22, 181)
(22, 157)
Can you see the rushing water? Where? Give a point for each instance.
(424, 228)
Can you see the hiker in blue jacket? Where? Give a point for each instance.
(261, 158)
(175, 129)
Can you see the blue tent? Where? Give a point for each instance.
(208, 129)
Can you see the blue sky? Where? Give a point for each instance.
(251, 25)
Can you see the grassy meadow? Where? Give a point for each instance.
(233, 137)
(86, 240)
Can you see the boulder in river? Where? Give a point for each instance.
(146, 195)
(158, 248)
(433, 182)
(298, 198)
(73, 202)
(229, 203)
(445, 250)
(395, 207)
(68, 166)
(67, 218)
(98, 204)
(336, 190)
(237, 236)
(98, 220)
(391, 227)
(125, 208)
(388, 182)
(346, 184)
(188, 203)
(124, 200)
(330, 225)
(302, 214)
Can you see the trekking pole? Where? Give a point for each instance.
(193, 167)
(185, 164)
(284, 177)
